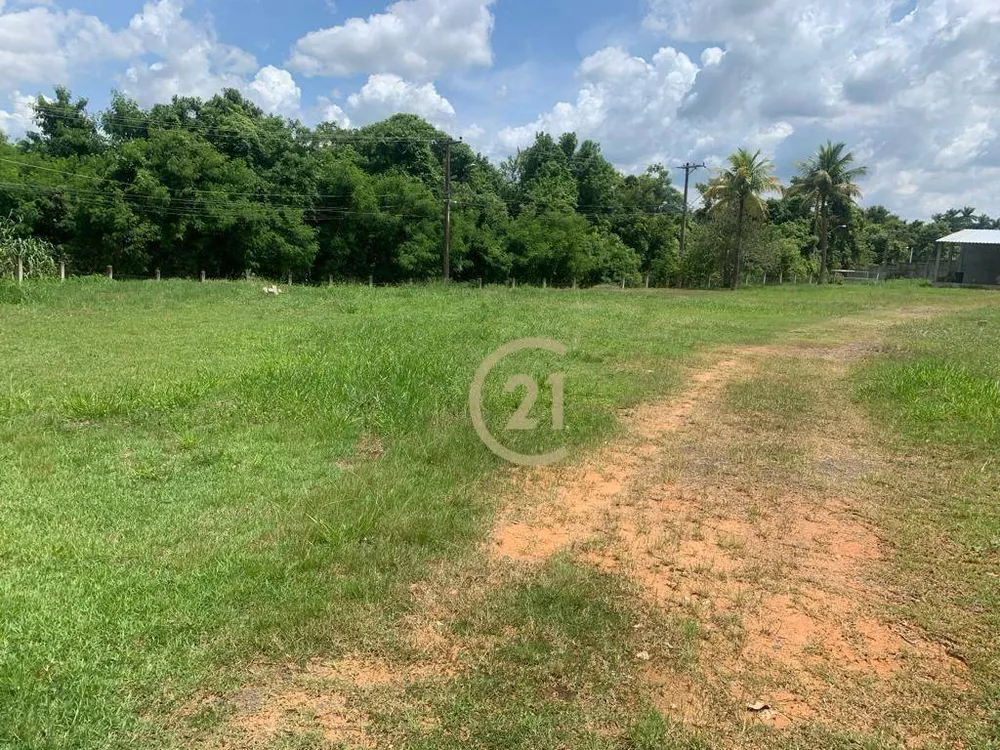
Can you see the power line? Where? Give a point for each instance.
(593, 210)
(224, 210)
(95, 178)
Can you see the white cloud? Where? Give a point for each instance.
(275, 91)
(189, 59)
(625, 102)
(41, 45)
(472, 133)
(413, 38)
(385, 94)
(16, 122)
(169, 55)
(331, 112)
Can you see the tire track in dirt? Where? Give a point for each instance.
(776, 566)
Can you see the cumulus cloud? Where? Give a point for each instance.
(385, 94)
(332, 112)
(40, 45)
(916, 95)
(275, 91)
(336, 115)
(187, 58)
(166, 54)
(417, 39)
(626, 102)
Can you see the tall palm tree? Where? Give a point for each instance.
(738, 188)
(824, 178)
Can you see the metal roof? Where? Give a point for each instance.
(974, 237)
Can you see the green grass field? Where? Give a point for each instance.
(196, 477)
(937, 390)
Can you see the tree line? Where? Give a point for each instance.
(221, 187)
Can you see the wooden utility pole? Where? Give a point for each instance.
(688, 169)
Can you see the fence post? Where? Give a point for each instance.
(371, 282)
(513, 283)
(62, 272)
(111, 272)
(289, 278)
(764, 282)
(329, 279)
(647, 281)
(202, 275)
(574, 283)
(781, 278)
(20, 271)
(157, 274)
(795, 279)
(623, 282)
(480, 283)
(544, 283)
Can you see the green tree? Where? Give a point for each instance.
(66, 128)
(738, 190)
(827, 178)
(598, 182)
(552, 245)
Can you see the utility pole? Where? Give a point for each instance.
(447, 208)
(688, 169)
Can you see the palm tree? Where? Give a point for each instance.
(738, 188)
(825, 178)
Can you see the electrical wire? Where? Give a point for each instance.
(232, 210)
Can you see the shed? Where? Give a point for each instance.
(978, 260)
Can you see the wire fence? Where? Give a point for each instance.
(632, 281)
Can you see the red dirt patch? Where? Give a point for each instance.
(776, 570)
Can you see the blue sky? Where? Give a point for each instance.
(913, 86)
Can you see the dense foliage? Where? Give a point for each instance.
(218, 186)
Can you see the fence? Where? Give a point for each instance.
(763, 278)
(919, 270)
(642, 282)
(853, 275)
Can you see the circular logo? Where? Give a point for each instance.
(522, 419)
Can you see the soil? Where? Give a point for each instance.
(772, 557)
